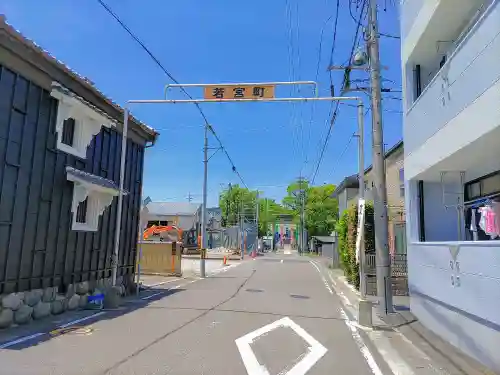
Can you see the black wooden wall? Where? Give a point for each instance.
(37, 246)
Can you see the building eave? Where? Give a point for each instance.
(99, 100)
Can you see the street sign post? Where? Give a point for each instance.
(239, 91)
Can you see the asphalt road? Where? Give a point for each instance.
(270, 316)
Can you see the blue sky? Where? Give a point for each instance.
(220, 41)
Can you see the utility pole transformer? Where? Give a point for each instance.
(383, 260)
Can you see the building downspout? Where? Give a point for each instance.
(421, 211)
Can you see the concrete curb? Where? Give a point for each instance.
(444, 357)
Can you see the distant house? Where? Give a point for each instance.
(60, 146)
(214, 218)
(347, 194)
(184, 215)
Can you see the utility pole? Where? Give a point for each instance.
(300, 194)
(361, 193)
(189, 197)
(383, 262)
(204, 205)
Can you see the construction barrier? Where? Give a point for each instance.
(160, 258)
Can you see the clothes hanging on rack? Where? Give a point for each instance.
(488, 220)
(496, 209)
(473, 224)
(482, 223)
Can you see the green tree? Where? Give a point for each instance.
(321, 210)
(292, 200)
(235, 202)
(268, 211)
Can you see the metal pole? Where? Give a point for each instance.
(303, 219)
(280, 100)
(240, 223)
(257, 223)
(383, 262)
(139, 248)
(204, 205)
(361, 194)
(114, 259)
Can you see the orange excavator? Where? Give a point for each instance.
(157, 230)
(187, 239)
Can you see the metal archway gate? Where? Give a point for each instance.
(221, 93)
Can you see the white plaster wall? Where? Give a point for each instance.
(468, 315)
(461, 104)
(410, 10)
(342, 198)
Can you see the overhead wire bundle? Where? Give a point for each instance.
(344, 82)
(169, 75)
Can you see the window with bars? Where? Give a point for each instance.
(81, 212)
(68, 132)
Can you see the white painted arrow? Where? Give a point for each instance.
(314, 352)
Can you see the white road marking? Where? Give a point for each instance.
(162, 283)
(382, 342)
(331, 279)
(35, 335)
(153, 295)
(223, 269)
(38, 334)
(361, 345)
(166, 290)
(365, 352)
(340, 293)
(73, 322)
(20, 340)
(252, 365)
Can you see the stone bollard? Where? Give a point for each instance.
(365, 313)
(112, 298)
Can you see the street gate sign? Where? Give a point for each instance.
(239, 91)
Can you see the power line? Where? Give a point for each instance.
(334, 41)
(148, 51)
(337, 106)
(389, 35)
(337, 162)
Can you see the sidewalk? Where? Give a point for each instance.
(407, 345)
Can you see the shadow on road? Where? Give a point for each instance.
(77, 322)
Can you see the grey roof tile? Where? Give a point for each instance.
(92, 178)
(172, 208)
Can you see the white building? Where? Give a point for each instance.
(451, 83)
(184, 215)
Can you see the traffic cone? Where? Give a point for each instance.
(224, 261)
